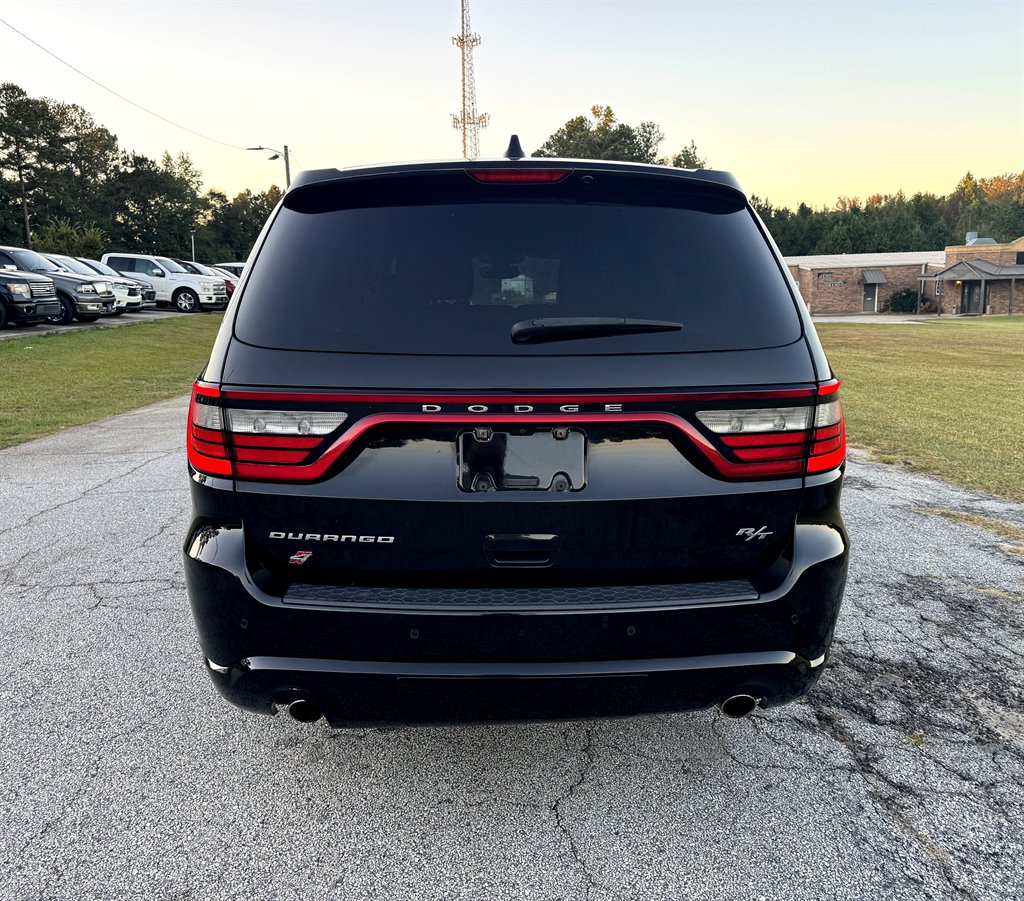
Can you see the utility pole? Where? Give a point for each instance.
(468, 121)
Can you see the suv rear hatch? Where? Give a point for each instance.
(449, 377)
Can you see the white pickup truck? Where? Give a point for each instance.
(173, 285)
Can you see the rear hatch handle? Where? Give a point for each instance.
(531, 550)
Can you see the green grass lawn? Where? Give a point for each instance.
(50, 382)
(946, 395)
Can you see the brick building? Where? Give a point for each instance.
(861, 282)
(981, 276)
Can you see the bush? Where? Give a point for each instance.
(60, 236)
(904, 301)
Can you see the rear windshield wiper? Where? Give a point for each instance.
(568, 327)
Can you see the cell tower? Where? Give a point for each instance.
(468, 122)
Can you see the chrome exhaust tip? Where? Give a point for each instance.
(303, 711)
(739, 706)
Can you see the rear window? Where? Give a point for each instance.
(381, 272)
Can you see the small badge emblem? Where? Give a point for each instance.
(759, 534)
(300, 557)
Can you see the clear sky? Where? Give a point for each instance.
(803, 101)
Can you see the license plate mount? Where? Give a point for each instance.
(543, 460)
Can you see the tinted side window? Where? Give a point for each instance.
(454, 278)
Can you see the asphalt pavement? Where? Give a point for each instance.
(124, 775)
(44, 328)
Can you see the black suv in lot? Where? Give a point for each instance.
(515, 439)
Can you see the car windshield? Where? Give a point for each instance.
(30, 261)
(169, 265)
(73, 265)
(99, 267)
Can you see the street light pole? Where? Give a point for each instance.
(277, 155)
(192, 233)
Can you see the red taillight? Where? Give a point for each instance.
(206, 443)
(519, 176)
(252, 442)
(779, 441)
(828, 442)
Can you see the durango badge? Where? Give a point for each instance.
(341, 539)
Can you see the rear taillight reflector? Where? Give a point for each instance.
(273, 441)
(785, 452)
(253, 455)
(765, 440)
(210, 449)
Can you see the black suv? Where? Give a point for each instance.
(515, 439)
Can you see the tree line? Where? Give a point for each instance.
(993, 207)
(67, 185)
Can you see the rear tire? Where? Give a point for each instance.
(3, 317)
(66, 314)
(186, 301)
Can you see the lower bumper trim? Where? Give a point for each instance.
(523, 669)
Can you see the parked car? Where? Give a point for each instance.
(146, 292)
(515, 439)
(199, 269)
(26, 299)
(174, 286)
(230, 279)
(236, 268)
(126, 296)
(81, 297)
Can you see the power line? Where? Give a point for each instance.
(116, 94)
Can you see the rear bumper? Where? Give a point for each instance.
(357, 693)
(378, 666)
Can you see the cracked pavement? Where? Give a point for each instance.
(124, 775)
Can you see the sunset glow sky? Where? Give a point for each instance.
(802, 101)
